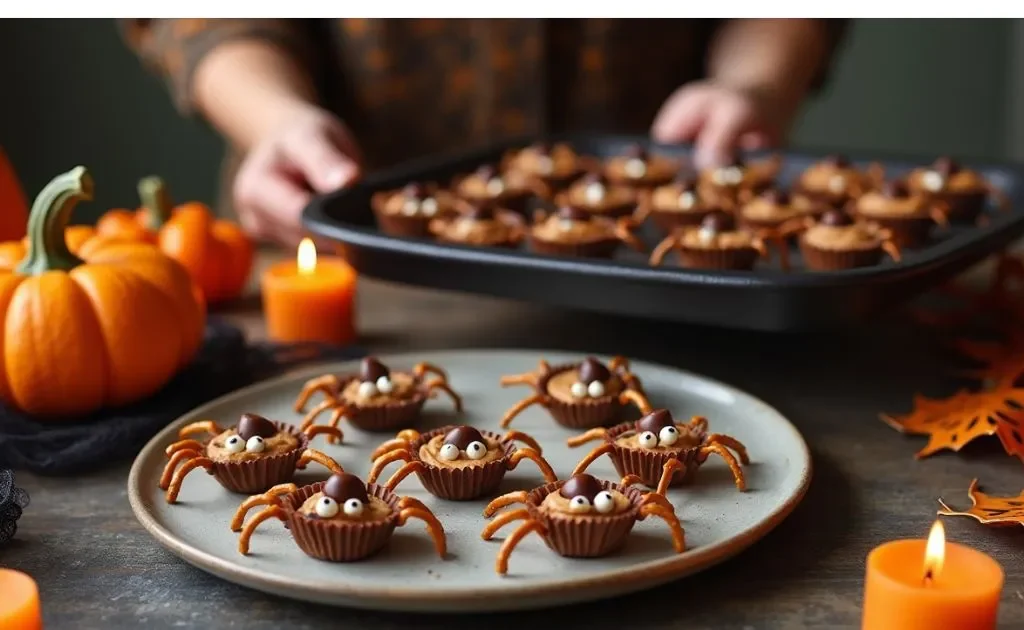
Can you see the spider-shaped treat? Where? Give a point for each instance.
(660, 452)
(457, 463)
(511, 189)
(740, 180)
(249, 457)
(554, 164)
(717, 243)
(572, 231)
(838, 241)
(338, 520)
(409, 211)
(679, 203)
(484, 226)
(375, 398)
(579, 395)
(638, 167)
(908, 216)
(595, 194)
(835, 180)
(963, 190)
(582, 517)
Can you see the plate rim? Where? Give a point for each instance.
(501, 597)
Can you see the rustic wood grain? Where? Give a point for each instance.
(97, 567)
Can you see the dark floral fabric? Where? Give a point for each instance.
(409, 87)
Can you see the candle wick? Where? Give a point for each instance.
(928, 577)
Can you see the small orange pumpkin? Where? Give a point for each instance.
(217, 253)
(100, 323)
(13, 206)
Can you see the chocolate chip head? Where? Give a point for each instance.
(776, 197)
(836, 218)
(479, 212)
(718, 222)
(415, 190)
(486, 172)
(251, 425)
(896, 189)
(591, 370)
(655, 421)
(371, 369)
(582, 485)
(837, 160)
(463, 436)
(945, 166)
(570, 213)
(343, 487)
(635, 152)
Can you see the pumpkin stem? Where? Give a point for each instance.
(156, 200)
(51, 211)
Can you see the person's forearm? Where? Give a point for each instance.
(246, 88)
(779, 55)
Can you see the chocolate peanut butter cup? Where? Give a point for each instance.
(408, 211)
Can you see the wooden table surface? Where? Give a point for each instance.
(98, 568)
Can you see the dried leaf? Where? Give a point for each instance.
(952, 422)
(989, 510)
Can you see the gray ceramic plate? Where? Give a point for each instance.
(408, 576)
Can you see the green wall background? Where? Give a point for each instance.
(72, 94)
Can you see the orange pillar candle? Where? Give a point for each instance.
(310, 298)
(931, 585)
(19, 602)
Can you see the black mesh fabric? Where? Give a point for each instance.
(12, 501)
(225, 363)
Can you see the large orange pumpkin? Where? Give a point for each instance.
(104, 325)
(217, 253)
(13, 207)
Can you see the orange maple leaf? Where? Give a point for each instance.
(989, 510)
(952, 422)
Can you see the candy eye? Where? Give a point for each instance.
(595, 389)
(326, 507)
(429, 207)
(578, 390)
(234, 444)
(668, 436)
(579, 504)
(448, 452)
(495, 186)
(476, 450)
(604, 502)
(255, 444)
(647, 439)
(353, 507)
(384, 385)
(367, 389)
(410, 207)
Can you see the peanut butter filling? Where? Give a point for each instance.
(878, 205)
(827, 179)
(376, 510)
(501, 186)
(434, 204)
(846, 237)
(963, 181)
(697, 238)
(429, 453)
(403, 387)
(654, 168)
(561, 162)
(760, 209)
(675, 198)
(596, 196)
(277, 444)
(555, 229)
(557, 504)
(475, 231)
(560, 386)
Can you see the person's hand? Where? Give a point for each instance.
(720, 119)
(312, 152)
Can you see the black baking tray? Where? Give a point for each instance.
(765, 299)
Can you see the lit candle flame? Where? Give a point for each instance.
(307, 256)
(934, 552)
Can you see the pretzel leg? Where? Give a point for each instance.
(270, 497)
(663, 248)
(629, 480)
(1002, 201)
(396, 444)
(526, 378)
(381, 462)
(519, 407)
(310, 418)
(519, 496)
(588, 436)
(186, 445)
(667, 472)
(313, 455)
(406, 502)
(623, 233)
(502, 520)
(632, 396)
(435, 385)
(618, 362)
(697, 424)
(519, 436)
(203, 426)
(667, 515)
(176, 458)
(724, 453)
(654, 497)
(328, 384)
(271, 511)
(892, 250)
(174, 487)
(603, 449)
(334, 434)
(433, 526)
(534, 456)
(730, 442)
(422, 369)
(407, 469)
(501, 564)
